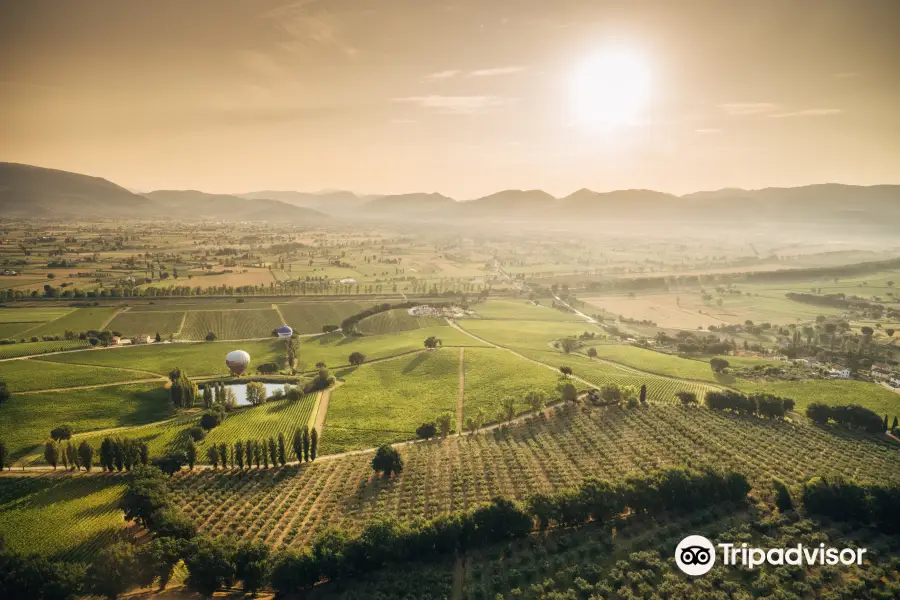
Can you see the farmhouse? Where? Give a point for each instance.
(348, 280)
(839, 373)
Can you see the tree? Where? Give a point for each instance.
(273, 451)
(251, 561)
(144, 453)
(686, 397)
(885, 423)
(297, 443)
(211, 337)
(387, 461)
(592, 352)
(432, 342)
(4, 391)
(426, 431)
(357, 358)
(170, 463)
(889, 332)
(209, 420)
(782, 496)
(566, 371)
(51, 453)
(157, 560)
(113, 572)
(256, 393)
(61, 433)
(223, 454)
(718, 364)
(190, 453)
(158, 338)
(610, 393)
(313, 443)
(895, 424)
(210, 564)
(4, 455)
(282, 452)
(86, 455)
(212, 454)
(567, 391)
(239, 453)
(508, 408)
(306, 445)
(444, 422)
(536, 400)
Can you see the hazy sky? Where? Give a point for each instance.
(465, 98)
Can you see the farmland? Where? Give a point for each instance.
(82, 319)
(235, 324)
(23, 375)
(395, 321)
(833, 392)
(392, 398)
(26, 419)
(133, 323)
(34, 348)
(199, 359)
(263, 422)
(521, 310)
(491, 375)
(309, 317)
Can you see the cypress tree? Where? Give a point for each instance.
(265, 453)
(895, 423)
(644, 394)
(51, 454)
(273, 452)
(248, 451)
(306, 444)
(144, 452)
(106, 459)
(313, 443)
(191, 454)
(239, 453)
(297, 444)
(282, 452)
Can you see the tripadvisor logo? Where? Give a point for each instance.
(696, 555)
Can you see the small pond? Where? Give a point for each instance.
(240, 391)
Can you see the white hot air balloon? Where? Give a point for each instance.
(237, 361)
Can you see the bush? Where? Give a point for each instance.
(210, 420)
(268, 368)
(63, 432)
(197, 433)
(426, 431)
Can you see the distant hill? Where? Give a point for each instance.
(27, 191)
(621, 203)
(412, 205)
(509, 204)
(193, 204)
(333, 202)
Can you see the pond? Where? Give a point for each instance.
(240, 391)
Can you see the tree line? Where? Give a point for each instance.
(762, 405)
(852, 415)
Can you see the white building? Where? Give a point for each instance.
(839, 373)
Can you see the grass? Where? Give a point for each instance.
(657, 362)
(34, 374)
(493, 374)
(309, 317)
(132, 323)
(26, 419)
(34, 348)
(334, 349)
(32, 315)
(79, 320)
(230, 324)
(395, 321)
(830, 391)
(199, 359)
(521, 310)
(59, 516)
(524, 335)
(392, 398)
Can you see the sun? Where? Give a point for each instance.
(610, 89)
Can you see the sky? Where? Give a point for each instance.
(464, 98)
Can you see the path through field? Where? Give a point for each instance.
(462, 389)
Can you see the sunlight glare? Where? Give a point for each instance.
(610, 89)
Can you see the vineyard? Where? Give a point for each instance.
(394, 321)
(539, 455)
(309, 317)
(265, 421)
(70, 518)
(230, 324)
(78, 320)
(520, 310)
(524, 335)
(26, 419)
(35, 348)
(33, 374)
(832, 392)
(492, 375)
(392, 398)
(132, 323)
(195, 358)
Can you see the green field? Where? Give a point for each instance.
(391, 398)
(79, 320)
(26, 419)
(231, 324)
(524, 335)
(197, 359)
(69, 518)
(262, 422)
(833, 392)
(32, 315)
(655, 362)
(34, 348)
(493, 374)
(309, 317)
(522, 310)
(37, 374)
(161, 437)
(132, 323)
(334, 349)
(395, 321)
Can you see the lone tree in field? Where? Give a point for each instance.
(61, 433)
(643, 397)
(718, 364)
(568, 344)
(211, 336)
(566, 371)
(592, 352)
(536, 400)
(357, 358)
(387, 461)
(431, 342)
(426, 431)
(51, 454)
(611, 393)
(567, 392)
(687, 398)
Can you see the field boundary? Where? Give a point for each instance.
(181, 325)
(280, 316)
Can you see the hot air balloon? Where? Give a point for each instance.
(237, 361)
(284, 331)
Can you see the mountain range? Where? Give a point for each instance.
(37, 192)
